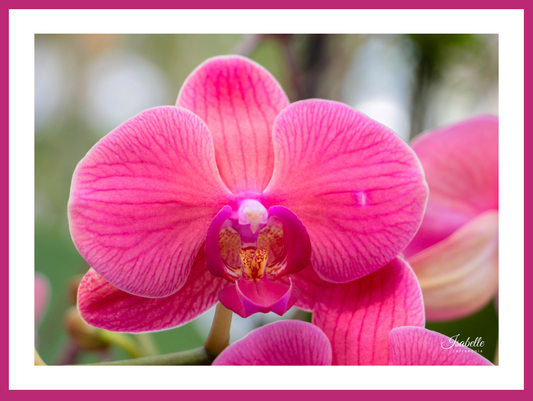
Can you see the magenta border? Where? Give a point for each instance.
(256, 395)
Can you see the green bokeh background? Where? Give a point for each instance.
(62, 139)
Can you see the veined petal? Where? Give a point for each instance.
(356, 186)
(238, 100)
(419, 346)
(104, 306)
(142, 199)
(358, 316)
(461, 165)
(308, 282)
(248, 297)
(459, 275)
(289, 342)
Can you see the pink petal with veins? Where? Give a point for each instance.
(142, 199)
(419, 346)
(104, 306)
(461, 165)
(459, 275)
(289, 342)
(354, 184)
(358, 316)
(238, 100)
(308, 282)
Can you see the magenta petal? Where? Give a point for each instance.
(212, 244)
(459, 275)
(231, 300)
(461, 165)
(104, 306)
(238, 100)
(419, 346)
(308, 282)
(357, 317)
(249, 296)
(142, 199)
(289, 342)
(354, 184)
(296, 239)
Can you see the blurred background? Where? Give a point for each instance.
(86, 85)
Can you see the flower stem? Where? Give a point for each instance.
(196, 356)
(147, 344)
(218, 338)
(121, 340)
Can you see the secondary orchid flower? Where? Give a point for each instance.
(233, 194)
(41, 301)
(418, 346)
(286, 342)
(455, 252)
(42, 296)
(294, 342)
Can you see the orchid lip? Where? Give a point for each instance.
(248, 297)
(256, 260)
(280, 247)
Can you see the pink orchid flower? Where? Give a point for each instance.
(294, 342)
(455, 252)
(233, 194)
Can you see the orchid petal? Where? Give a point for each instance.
(355, 185)
(212, 244)
(104, 306)
(358, 316)
(308, 282)
(459, 275)
(249, 296)
(238, 100)
(296, 241)
(461, 165)
(288, 342)
(419, 346)
(142, 199)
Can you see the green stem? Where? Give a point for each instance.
(121, 340)
(147, 344)
(218, 338)
(196, 356)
